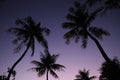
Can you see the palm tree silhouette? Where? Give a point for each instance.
(84, 75)
(47, 64)
(110, 71)
(79, 25)
(107, 4)
(26, 34)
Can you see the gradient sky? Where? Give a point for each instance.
(51, 14)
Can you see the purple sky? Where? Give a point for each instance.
(51, 14)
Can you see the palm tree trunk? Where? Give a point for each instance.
(107, 59)
(47, 75)
(15, 64)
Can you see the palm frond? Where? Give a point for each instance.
(16, 40)
(22, 23)
(78, 76)
(42, 41)
(21, 34)
(54, 57)
(42, 56)
(70, 35)
(29, 21)
(71, 17)
(98, 32)
(40, 70)
(93, 15)
(32, 43)
(19, 44)
(84, 38)
(112, 4)
(37, 63)
(93, 77)
(46, 30)
(19, 22)
(19, 47)
(68, 25)
(57, 67)
(53, 73)
(16, 31)
(72, 10)
(84, 43)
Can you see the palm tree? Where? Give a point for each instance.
(79, 25)
(84, 75)
(110, 71)
(106, 4)
(47, 64)
(26, 34)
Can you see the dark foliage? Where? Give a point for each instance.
(79, 24)
(27, 32)
(3, 77)
(105, 4)
(47, 64)
(84, 75)
(110, 71)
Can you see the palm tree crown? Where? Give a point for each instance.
(79, 24)
(84, 75)
(80, 27)
(26, 35)
(47, 64)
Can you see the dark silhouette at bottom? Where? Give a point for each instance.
(110, 71)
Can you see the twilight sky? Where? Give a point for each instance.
(51, 14)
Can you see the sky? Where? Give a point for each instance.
(51, 14)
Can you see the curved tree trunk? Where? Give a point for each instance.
(107, 59)
(47, 75)
(15, 64)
